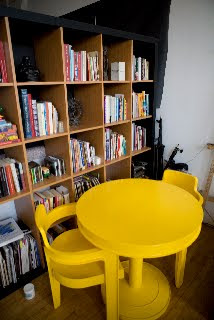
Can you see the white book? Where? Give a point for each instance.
(9, 232)
(50, 114)
(64, 192)
(139, 68)
(49, 196)
(40, 112)
(12, 264)
(7, 260)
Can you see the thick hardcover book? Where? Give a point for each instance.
(10, 179)
(25, 113)
(3, 63)
(32, 126)
(67, 62)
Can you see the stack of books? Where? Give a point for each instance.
(39, 118)
(84, 183)
(11, 177)
(52, 166)
(140, 104)
(17, 259)
(138, 137)
(115, 108)
(140, 69)
(8, 132)
(115, 145)
(52, 198)
(81, 66)
(3, 68)
(83, 155)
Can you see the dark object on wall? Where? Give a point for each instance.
(158, 154)
(26, 71)
(74, 111)
(171, 162)
(146, 17)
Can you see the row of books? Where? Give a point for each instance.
(52, 166)
(52, 198)
(81, 66)
(3, 68)
(17, 259)
(84, 183)
(115, 108)
(140, 104)
(83, 155)
(138, 137)
(140, 69)
(58, 229)
(115, 145)
(39, 118)
(11, 177)
(8, 131)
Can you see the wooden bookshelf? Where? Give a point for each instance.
(45, 43)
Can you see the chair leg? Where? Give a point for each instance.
(112, 286)
(179, 267)
(55, 286)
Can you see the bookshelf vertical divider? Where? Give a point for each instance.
(49, 54)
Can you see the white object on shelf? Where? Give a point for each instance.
(9, 232)
(29, 291)
(97, 160)
(118, 71)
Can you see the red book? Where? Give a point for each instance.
(47, 117)
(79, 66)
(10, 179)
(3, 63)
(32, 125)
(67, 62)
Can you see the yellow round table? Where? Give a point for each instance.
(139, 218)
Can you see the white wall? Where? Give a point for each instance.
(187, 106)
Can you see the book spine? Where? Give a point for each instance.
(15, 177)
(3, 63)
(22, 176)
(79, 66)
(9, 179)
(25, 113)
(47, 117)
(5, 188)
(31, 115)
(76, 66)
(67, 62)
(35, 117)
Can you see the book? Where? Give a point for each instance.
(3, 68)
(115, 108)
(115, 145)
(83, 155)
(32, 125)
(67, 61)
(84, 183)
(138, 137)
(140, 69)
(140, 104)
(9, 231)
(25, 113)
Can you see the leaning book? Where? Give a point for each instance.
(9, 232)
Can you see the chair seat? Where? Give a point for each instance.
(79, 276)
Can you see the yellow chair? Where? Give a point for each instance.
(72, 260)
(190, 184)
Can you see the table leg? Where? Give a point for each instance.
(135, 273)
(179, 267)
(112, 285)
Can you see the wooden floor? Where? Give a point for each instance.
(193, 301)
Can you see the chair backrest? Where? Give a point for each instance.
(184, 181)
(44, 221)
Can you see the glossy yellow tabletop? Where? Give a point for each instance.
(139, 217)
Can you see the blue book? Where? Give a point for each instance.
(25, 113)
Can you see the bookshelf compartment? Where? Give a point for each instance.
(95, 138)
(119, 51)
(49, 93)
(11, 111)
(43, 44)
(119, 170)
(147, 51)
(120, 88)
(125, 130)
(90, 97)
(5, 38)
(84, 41)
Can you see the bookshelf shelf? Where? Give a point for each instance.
(45, 45)
(84, 129)
(52, 136)
(6, 146)
(39, 83)
(52, 180)
(141, 118)
(80, 173)
(13, 197)
(110, 162)
(145, 149)
(116, 123)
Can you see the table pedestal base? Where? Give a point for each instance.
(148, 302)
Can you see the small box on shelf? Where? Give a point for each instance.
(118, 71)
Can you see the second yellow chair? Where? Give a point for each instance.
(72, 260)
(190, 184)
